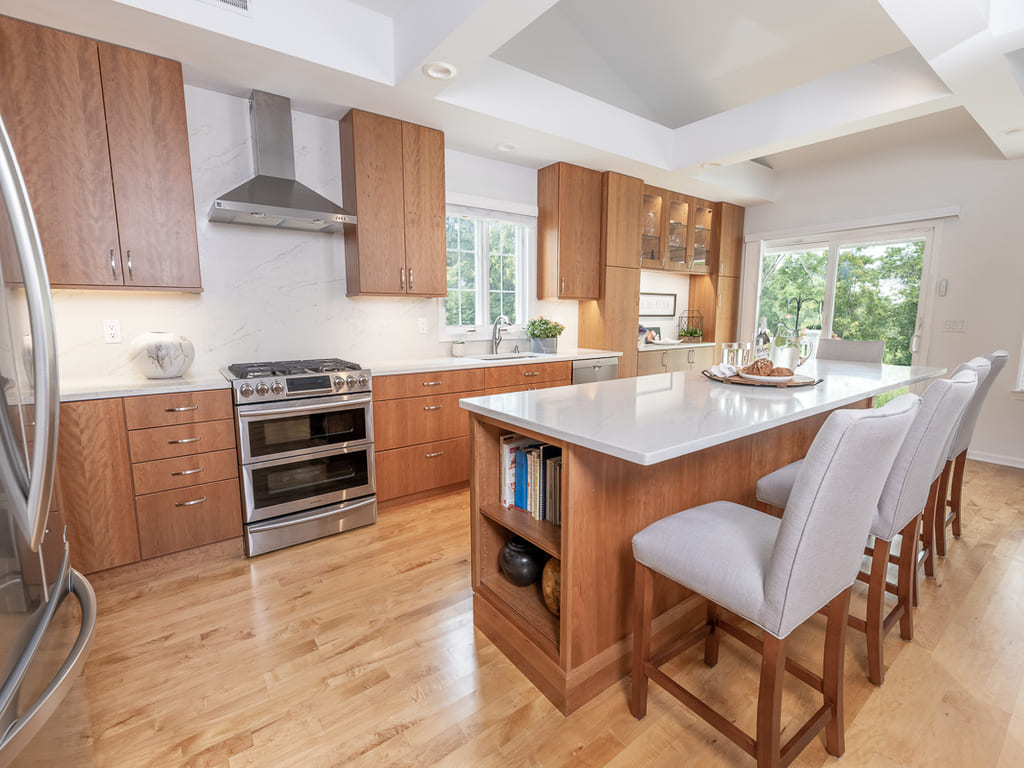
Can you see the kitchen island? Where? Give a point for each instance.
(633, 451)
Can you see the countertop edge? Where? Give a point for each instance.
(434, 364)
(74, 391)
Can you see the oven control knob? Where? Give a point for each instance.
(339, 382)
(351, 381)
(245, 390)
(262, 389)
(363, 381)
(277, 387)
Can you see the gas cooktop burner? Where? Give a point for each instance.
(290, 368)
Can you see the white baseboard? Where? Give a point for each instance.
(996, 458)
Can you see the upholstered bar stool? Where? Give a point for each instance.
(775, 573)
(950, 495)
(909, 490)
(852, 351)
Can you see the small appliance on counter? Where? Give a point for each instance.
(305, 450)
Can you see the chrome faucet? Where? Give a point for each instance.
(496, 333)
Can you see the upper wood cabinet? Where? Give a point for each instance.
(568, 232)
(675, 231)
(393, 178)
(622, 200)
(102, 142)
(726, 255)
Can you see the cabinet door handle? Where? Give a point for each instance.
(531, 373)
(410, 278)
(129, 253)
(182, 408)
(432, 407)
(563, 285)
(664, 359)
(691, 356)
(431, 383)
(185, 440)
(190, 503)
(433, 455)
(183, 472)
(401, 278)
(113, 267)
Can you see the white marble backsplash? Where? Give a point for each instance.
(267, 294)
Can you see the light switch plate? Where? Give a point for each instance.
(111, 331)
(423, 325)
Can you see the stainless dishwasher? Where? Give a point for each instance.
(595, 369)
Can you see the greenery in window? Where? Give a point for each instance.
(484, 271)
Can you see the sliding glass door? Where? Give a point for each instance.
(865, 285)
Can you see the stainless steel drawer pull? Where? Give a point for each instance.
(129, 253)
(187, 472)
(182, 408)
(410, 278)
(431, 383)
(531, 373)
(113, 268)
(190, 503)
(432, 407)
(401, 278)
(433, 455)
(185, 440)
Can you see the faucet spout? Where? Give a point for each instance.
(496, 333)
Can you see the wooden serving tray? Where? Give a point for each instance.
(798, 380)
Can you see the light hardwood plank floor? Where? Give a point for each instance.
(359, 650)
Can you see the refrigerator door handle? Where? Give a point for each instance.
(44, 351)
(25, 727)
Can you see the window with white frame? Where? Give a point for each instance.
(487, 257)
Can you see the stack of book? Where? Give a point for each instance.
(531, 475)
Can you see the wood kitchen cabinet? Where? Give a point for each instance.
(726, 255)
(667, 360)
(393, 177)
(102, 142)
(568, 232)
(676, 231)
(716, 296)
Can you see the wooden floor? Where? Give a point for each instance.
(359, 650)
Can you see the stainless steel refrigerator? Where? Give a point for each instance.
(44, 637)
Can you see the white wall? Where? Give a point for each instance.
(980, 252)
(276, 294)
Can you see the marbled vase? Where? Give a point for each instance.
(162, 355)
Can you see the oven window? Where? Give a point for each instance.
(306, 431)
(305, 478)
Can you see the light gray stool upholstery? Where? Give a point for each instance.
(776, 572)
(853, 351)
(951, 493)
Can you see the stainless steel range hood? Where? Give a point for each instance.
(274, 198)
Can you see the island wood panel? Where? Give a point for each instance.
(622, 203)
(181, 440)
(188, 517)
(527, 374)
(144, 99)
(166, 474)
(428, 383)
(424, 196)
(611, 322)
(178, 408)
(403, 471)
(96, 484)
(373, 187)
(424, 419)
(52, 105)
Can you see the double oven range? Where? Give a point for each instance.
(305, 450)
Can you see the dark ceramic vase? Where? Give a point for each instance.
(520, 561)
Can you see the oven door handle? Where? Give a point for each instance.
(332, 406)
(293, 519)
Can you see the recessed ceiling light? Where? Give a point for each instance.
(506, 146)
(711, 164)
(439, 70)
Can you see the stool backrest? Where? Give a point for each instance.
(920, 458)
(986, 375)
(853, 351)
(817, 552)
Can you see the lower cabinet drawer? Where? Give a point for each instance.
(421, 467)
(526, 387)
(397, 423)
(188, 517)
(163, 475)
(181, 440)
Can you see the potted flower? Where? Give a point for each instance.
(692, 335)
(544, 334)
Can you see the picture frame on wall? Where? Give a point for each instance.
(657, 305)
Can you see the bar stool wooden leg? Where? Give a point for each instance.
(714, 634)
(906, 584)
(769, 702)
(956, 490)
(832, 671)
(940, 510)
(643, 607)
(875, 621)
(932, 514)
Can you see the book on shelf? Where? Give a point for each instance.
(553, 478)
(511, 445)
(531, 477)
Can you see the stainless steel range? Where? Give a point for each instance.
(305, 450)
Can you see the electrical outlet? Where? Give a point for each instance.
(955, 326)
(111, 331)
(423, 325)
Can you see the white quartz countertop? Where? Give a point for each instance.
(650, 419)
(428, 364)
(131, 384)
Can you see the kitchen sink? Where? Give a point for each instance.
(506, 356)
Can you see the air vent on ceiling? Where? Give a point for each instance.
(239, 6)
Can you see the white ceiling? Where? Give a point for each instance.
(681, 93)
